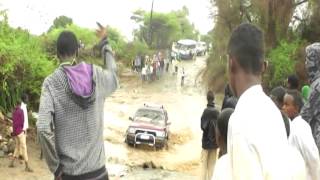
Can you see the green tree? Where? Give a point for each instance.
(23, 65)
(117, 42)
(61, 22)
(272, 16)
(282, 63)
(134, 48)
(164, 28)
(87, 36)
(207, 37)
(310, 25)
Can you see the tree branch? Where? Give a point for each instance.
(297, 18)
(244, 12)
(248, 17)
(299, 3)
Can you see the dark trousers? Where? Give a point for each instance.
(100, 178)
(100, 174)
(182, 81)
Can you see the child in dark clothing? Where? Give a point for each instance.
(209, 145)
(222, 130)
(277, 96)
(222, 169)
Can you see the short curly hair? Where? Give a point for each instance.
(67, 44)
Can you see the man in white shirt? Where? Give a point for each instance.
(301, 136)
(257, 141)
(222, 169)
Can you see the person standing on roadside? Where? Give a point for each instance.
(311, 110)
(20, 137)
(222, 167)
(24, 102)
(277, 96)
(301, 136)
(183, 75)
(167, 64)
(257, 140)
(229, 100)
(71, 112)
(209, 145)
(293, 82)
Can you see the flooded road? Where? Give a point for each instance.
(184, 105)
(182, 158)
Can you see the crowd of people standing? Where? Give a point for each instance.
(258, 136)
(151, 68)
(262, 136)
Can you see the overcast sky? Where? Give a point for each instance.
(38, 15)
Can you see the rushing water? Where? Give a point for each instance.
(184, 105)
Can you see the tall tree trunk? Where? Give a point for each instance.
(279, 16)
(271, 35)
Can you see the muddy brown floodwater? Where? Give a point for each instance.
(184, 105)
(182, 158)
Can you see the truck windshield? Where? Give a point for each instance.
(149, 115)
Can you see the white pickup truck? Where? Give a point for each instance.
(185, 48)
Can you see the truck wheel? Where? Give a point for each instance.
(130, 144)
(158, 147)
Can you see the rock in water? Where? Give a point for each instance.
(9, 130)
(1, 116)
(5, 149)
(1, 154)
(149, 165)
(11, 146)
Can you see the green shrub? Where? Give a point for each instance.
(117, 42)
(215, 75)
(87, 36)
(23, 65)
(281, 63)
(134, 48)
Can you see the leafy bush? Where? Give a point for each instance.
(134, 48)
(281, 63)
(117, 42)
(165, 27)
(86, 36)
(23, 65)
(215, 75)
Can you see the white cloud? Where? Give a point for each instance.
(38, 15)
